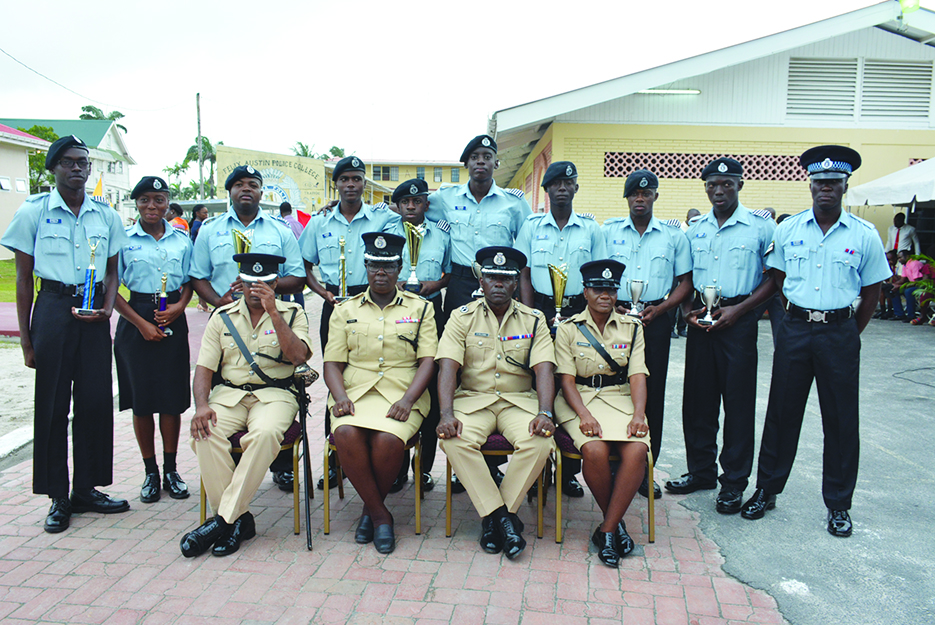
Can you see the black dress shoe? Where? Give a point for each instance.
(364, 533)
(757, 505)
(456, 485)
(513, 541)
(428, 483)
(839, 523)
(96, 501)
(644, 488)
(604, 541)
(59, 516)
(150, 492)
(244, 528)
(175, 485)
(284, 480)
(200, 539)
(384, 539)
(729, 501)
(622, 541)
(399, 482)
(688, 483)
(490, 539)
(572, 488)
(332, 480)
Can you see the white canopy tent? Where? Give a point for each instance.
(916, 182)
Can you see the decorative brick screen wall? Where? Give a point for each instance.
(686, 166)
(916, 161)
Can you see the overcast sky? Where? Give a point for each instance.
(394, 79)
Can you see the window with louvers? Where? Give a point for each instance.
(896, 89)
(824, 88)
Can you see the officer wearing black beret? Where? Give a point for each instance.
(480, 141)
(244, 171)
(411, 188)
(58, 149)
(724, 166)
(347, 164)
(148, 184)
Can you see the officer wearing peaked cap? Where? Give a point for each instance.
(657, 255)
(728, 248)
(823, 259)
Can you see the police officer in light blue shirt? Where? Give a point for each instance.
(480, 213)
(728, 247)
(657, 254)
(558, 237)
(823, 259)
(215, 275)
(52, 235)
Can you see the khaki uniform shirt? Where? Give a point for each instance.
(622, 339)
(218, 345)
(375, 344)
(475, 341)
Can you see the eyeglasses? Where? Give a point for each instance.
(69, 163)
(386, 268)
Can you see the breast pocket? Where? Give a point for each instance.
(497, 233)
(795, 258)
(266, 245)
(98, 235)
(173, 267)
(585, 360)
(460, 228)
(579, 255)
(429, 268)
(222, 249)
(661, 264)
(543, 253)
(54, 240)
(329, 250)
(478, 351)
(701, 253)
(742, 252)
(621, 253)
(846, 272)
(357, 337)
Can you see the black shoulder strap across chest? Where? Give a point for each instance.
(415, 342)
(600, 350)
(246, 352)
(532, 338)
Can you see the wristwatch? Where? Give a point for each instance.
(548, 414)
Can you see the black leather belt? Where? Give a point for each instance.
(153, 298)
(600, 381)
(69, 290)
(462, 271)
(547, 301)
(819, 316)
(652, 303)
(283, 383)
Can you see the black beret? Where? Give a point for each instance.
(480, 141)
(560, 169)
(147, 184)
(500, 260)
(410, 188)
(348, 163)
(602, 273)
(640, 179)
(830, 161)
(244, 171)
(382, 247)
(723, 166)
(259, 267)
(59, 147)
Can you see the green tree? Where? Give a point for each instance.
(176, 170)
(303, 149)
(336, 152)
(38, 175)
(92, 112)
(209, 153)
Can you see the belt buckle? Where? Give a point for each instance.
(565, 302)
(814, 316)
(597, 381)
(79, 290)
(248, 388)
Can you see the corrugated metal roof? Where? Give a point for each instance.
(91, 131)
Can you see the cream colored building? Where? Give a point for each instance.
(15, 148)
(391, 173)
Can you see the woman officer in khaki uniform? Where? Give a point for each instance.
(602, 406)
(378, 362)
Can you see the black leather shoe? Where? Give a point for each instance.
(59, 516)
(757, 505)
(622, 541)
(729, 501)
(604, 541)
(572, 488)
(364, 533)
(399, 483)
(456, 485)
(428, 483)
(284, 480)
(490, 539)
(200, 539)
(150, 492)
(839, 523)
(384, 539)
(176, 487)
(644, 488)
(332, 480)
(96, 501)
(513, 541)
(688, 483)
(244, 528)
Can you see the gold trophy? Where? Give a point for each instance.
(559, 275)
(342, 270)
(414, 236)
(710, 296)
(636, 290)
(475, 268)
(242, 243)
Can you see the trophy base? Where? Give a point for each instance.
(413, 288)
(338, 299)
(705, 322)
(85, 312)
(632, 313)
(167, 331)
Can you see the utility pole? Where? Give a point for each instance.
(201, 154)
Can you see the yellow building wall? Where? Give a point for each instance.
(882, 151)
(300, 181)
(408, 171)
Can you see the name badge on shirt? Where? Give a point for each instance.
(53, 221)
(325, 235)
(542, 237)
(133, 248)
(461, 208)
(222, 233)
(620, 241)
(481, 334)
(796, 243)
(580, 344)
(351, 321)
(700, 235)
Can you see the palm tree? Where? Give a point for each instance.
(92, 112)
(209, 153)
(176, 170)
(303, 149)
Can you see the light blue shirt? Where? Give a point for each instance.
(320, 241)
(143, 259)
(46, 229)
(543, 244)
(496, 220)
(731, 257)
(656, 257)
(213, 257)
(434, 255)
(826, 271)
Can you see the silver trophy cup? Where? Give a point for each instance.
(710, 296)
(636, 290)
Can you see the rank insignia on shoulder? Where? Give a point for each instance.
(591, 216)
(675, 223)
(516, 192)
(380, 206)
(463, 309)
(765, 214)
(772, 246)
(443, 225)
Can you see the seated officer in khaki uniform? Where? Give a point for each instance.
(499, 345)
(251, 397)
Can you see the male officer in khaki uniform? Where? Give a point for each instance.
(499, 345)
(251, 397)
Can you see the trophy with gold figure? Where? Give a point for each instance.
(342, 270)
(164, 302)
(559, 276)
(414, 236)
(242, 245)
(90, 278)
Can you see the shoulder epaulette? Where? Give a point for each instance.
(762, 212)
(226, 307)
(535, 216)
(675, 223)
(516, 192)
(37, 196)
(588, 216)
(211, 218)
(863, 222)
(100, 203)
(380, 206)
(443, 225)
(469, 306)
(614, 220)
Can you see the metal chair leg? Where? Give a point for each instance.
(417, 457)
(448, 499)
(327, 495)
(652, 499)
(203, 503)
(558, 496)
